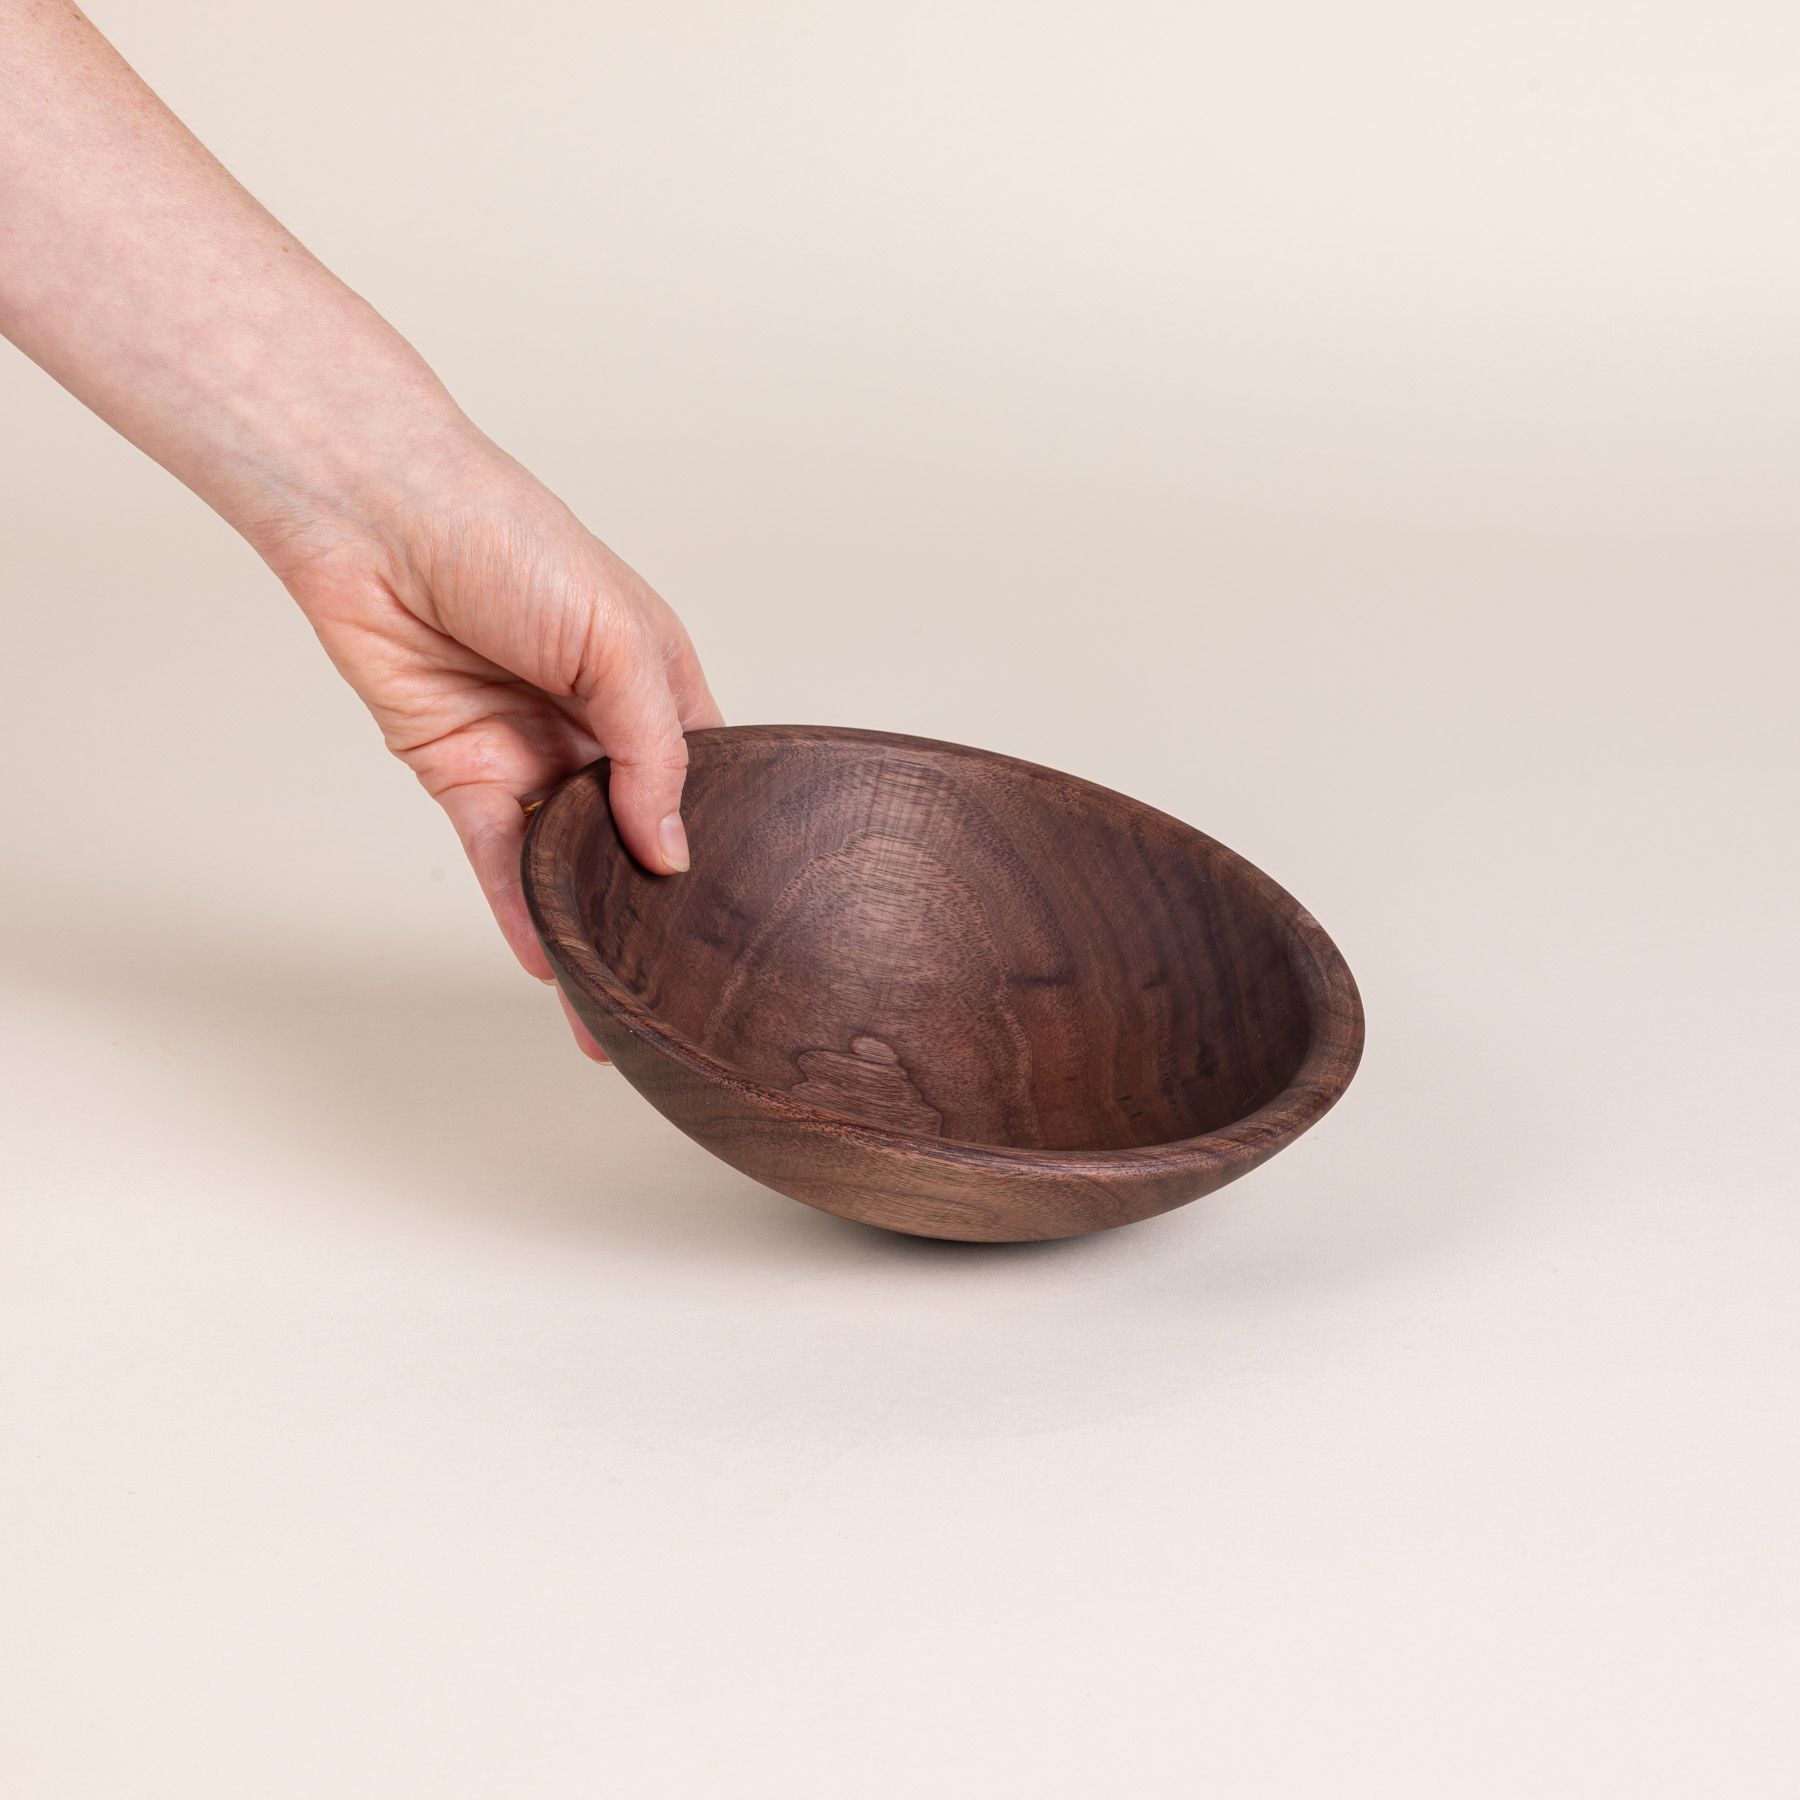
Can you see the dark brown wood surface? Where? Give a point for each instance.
(944, 991)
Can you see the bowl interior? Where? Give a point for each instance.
(948, 943)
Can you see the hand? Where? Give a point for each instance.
(500, 645)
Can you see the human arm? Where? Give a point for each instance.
(497, 642)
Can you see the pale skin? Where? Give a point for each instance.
(496, 641)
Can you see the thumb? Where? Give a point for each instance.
(639, 728)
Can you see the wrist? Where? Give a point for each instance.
(353, 465)
(383, 505)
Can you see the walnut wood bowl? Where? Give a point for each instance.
(943, 991)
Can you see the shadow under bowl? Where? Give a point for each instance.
(944, 991)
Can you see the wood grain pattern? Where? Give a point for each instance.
(944, 991)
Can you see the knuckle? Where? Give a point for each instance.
(662, 756)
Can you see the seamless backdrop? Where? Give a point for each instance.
(1368, 433)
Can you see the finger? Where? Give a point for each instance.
(491, 825)
(583, 1037)
(639, 728)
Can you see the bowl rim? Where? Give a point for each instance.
(1313, 1089)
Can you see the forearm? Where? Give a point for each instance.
(140, 275)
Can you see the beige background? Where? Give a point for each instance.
(1368, 432)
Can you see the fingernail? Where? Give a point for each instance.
(673, 839)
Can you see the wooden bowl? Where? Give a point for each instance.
(944, 991)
